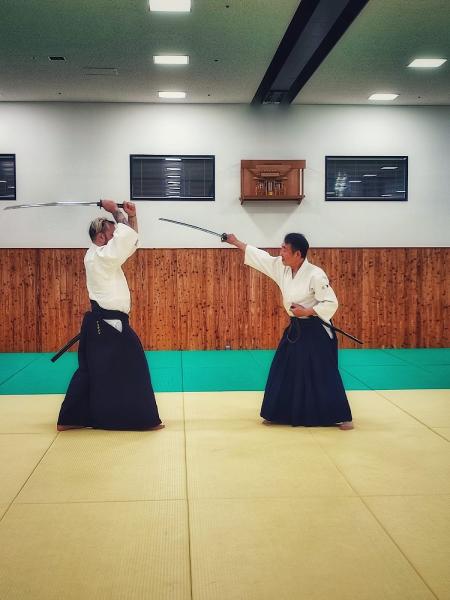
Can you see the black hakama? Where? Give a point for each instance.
(111, 388)
(304, 386)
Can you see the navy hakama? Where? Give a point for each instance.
(111, 388)
(304, 386)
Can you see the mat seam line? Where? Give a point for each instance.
(361, 498)
(28, 478)
(379, 392)
(186, 484)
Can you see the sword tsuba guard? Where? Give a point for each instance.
(224, 237)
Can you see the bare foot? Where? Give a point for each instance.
(266, 422)
(66, 427)
(160, 426)
(346, 425)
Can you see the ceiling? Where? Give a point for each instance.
(108, 46)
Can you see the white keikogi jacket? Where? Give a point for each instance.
(105, 280)
(310, 286)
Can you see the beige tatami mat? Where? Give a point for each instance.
(274, 512)
(372, 411)
(20, 453)
(87, 465)
(29, 414)
(431, 407)
(232, 459)
(443, 431)
(99, 551)
(420, 525)
(406, 461)
(296, 549)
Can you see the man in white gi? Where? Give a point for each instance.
(112, 388)
(304, 386)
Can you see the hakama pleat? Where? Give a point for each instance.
(304, 386)
(111, 388)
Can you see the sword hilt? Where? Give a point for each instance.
(99, 203)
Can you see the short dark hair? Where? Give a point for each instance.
(298, 242)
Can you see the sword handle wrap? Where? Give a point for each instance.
(99, 203)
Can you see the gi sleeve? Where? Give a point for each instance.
(327, 303)
(262, 261)
(120, 247)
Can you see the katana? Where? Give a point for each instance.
(223, 236)
(334, 328)
(99, 203)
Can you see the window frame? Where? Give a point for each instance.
(211, 198)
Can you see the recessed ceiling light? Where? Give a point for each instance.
(170, 5)
(383, 96)
(171, 60)
(427, 63)
(172, 94)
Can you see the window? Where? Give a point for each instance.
(7, 176)
(366, 178)
(171, 177)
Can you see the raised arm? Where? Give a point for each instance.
(130, 209)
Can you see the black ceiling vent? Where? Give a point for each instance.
(316, 27)
(56, 58)
(274, 97)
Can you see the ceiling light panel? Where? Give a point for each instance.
(427, 63)
(170, 5)
(172, 94)
(383, 96)
(171, 60)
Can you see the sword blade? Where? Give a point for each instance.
(69, 203)
(223, 236)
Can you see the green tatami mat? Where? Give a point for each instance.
(369, 357)
(10, 364)
(42, 376)
(422, 356)
(395, 377)
(234, 370)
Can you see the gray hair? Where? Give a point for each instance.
(98, 226)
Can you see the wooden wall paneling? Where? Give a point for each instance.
(152, 278)
(208, 299)
(343, 267)
(63, 297)
(194, 295)
(20, 319)
(433, 283)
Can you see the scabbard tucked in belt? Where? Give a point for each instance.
(70, 343)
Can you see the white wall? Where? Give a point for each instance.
(80, 152)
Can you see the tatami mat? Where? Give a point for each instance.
(406, 461)
(431, 407)
(29, 414)
(86, 465)
(235, 370)
(99, 551)
(218, 506)
(443, 431)
(420, 525)
(303, 548)
(20, 455)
